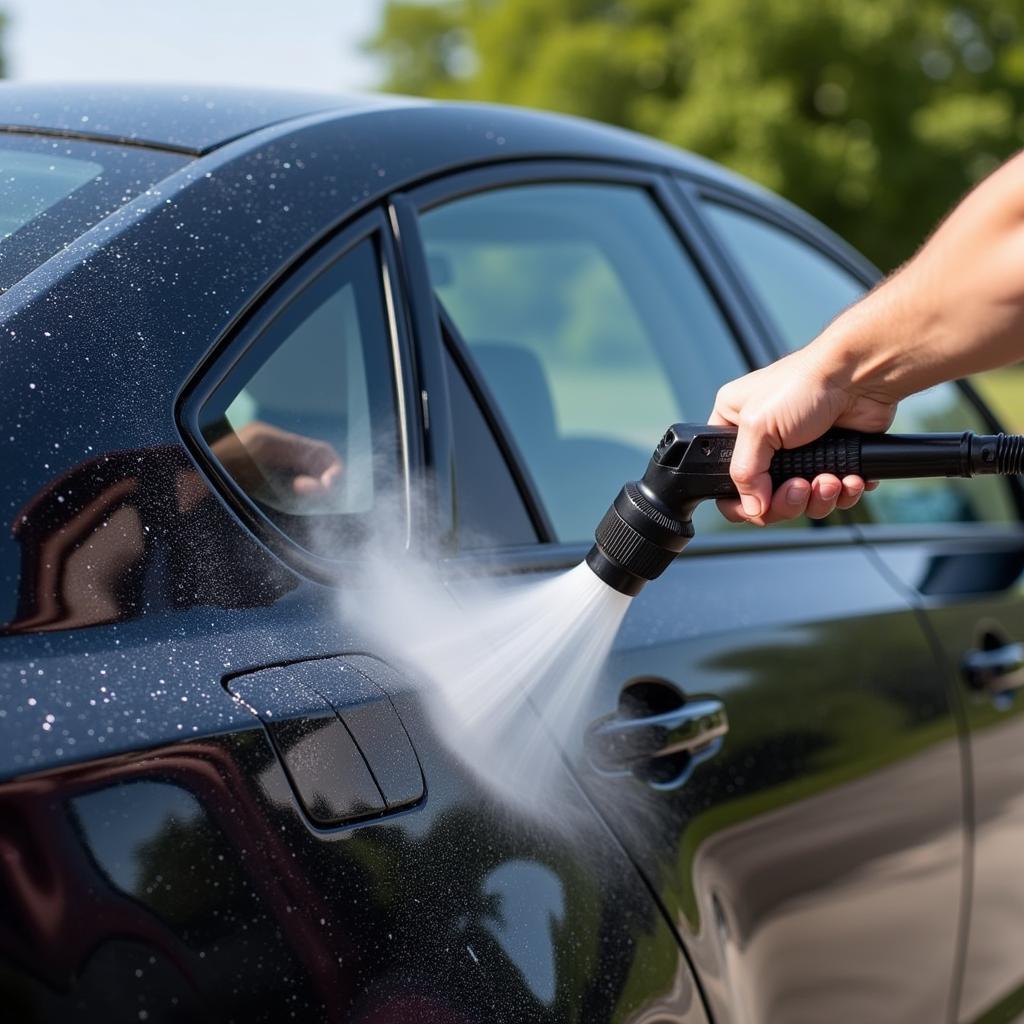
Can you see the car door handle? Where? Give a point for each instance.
(619, 744)
(996, 670)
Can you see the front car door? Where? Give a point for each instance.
(813, 865)
(958, 547)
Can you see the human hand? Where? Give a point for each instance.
(784, 405)
(297, 464)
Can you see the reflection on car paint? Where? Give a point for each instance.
(129, 533)
(528, 911)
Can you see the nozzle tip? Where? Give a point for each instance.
(613, 574)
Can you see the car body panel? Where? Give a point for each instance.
(816, 860)
(971, 589)
(186, 883)
(133, 591)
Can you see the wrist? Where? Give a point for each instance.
(865, 351)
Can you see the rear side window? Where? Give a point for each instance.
(801, 290)
(304, 425)
(590, 326)
(52, 190)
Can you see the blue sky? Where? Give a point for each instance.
(294, 43)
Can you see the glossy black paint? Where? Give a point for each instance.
(159, 863)
(179, 118)
(185, 885)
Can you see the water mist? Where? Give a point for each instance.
(506, 669)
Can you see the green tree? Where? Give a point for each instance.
(875, 115)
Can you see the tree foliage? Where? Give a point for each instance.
(875, 115)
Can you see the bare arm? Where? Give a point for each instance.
(956, 308)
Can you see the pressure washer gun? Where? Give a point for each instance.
(649, 522)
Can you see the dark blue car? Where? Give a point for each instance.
(238, 328)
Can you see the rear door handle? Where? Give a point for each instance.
(997, 670)
(663, 748)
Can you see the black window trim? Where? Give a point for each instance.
(834, 248)
(226, 353)
(496, 423)
(745, 329)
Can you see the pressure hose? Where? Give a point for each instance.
(649, 522)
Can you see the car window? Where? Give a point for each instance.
(54, 189)
(489, 510)
(305, 423)
(801, 290)
(590, 326)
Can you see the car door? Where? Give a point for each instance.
(812, 857)
(227, 807)
(958, 546)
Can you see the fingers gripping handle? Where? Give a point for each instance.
(837, 452)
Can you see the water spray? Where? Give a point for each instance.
(510, 669)
(650, 521)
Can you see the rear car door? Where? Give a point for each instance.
(812, 858)
(958, 546)
(216, 803)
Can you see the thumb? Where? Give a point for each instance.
(751, 460)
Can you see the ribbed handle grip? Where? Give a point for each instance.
(836, 452)
(1009, 454)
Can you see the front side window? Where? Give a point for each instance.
(590, 327)
(304, 424)
(801, 290)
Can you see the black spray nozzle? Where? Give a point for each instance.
(649, 522)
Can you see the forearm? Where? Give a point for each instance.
(956, 308)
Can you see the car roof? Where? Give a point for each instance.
(186, 119)
(197, 119)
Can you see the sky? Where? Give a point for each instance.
(301, 44)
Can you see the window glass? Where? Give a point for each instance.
(33, 182)
(489, 510)
(305, 424)
(801, 290)
(983, 499)
(590, 326)
(52, 190)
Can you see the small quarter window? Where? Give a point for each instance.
(304, 424)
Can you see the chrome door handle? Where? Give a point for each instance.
(620, 744)
(997, 670)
